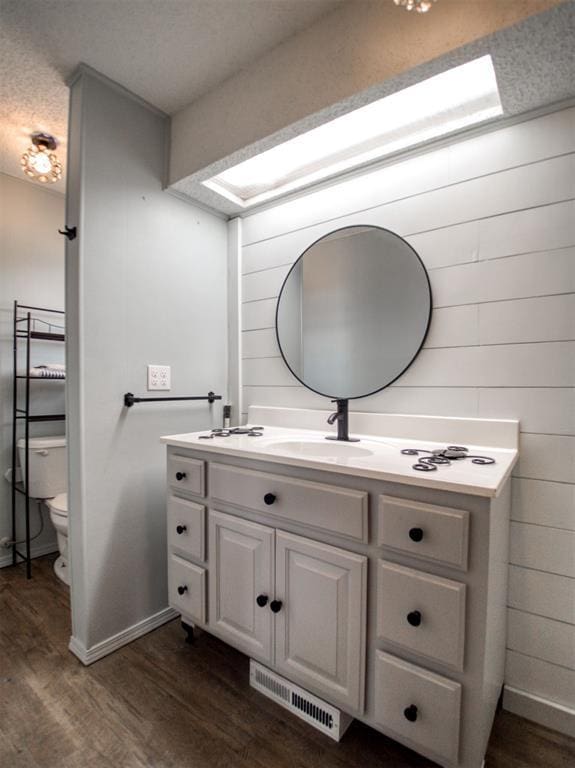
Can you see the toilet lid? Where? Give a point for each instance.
(59, 504)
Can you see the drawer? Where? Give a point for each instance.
(425, 530)
(186, 528)
(186, 474)
(422, 709)
(421, 612)
(340, 511)
(187, 589)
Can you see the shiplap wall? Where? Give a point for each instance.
(493, 218)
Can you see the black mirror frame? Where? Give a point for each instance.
(410, 363)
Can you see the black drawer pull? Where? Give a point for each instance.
(262, 600)
(269, 498)
(181, 529)
(276, 606)
(410, 713)
(180, 476)
(416, 534)
(182, 590)
(414, 618)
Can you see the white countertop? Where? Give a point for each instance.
(384, 461)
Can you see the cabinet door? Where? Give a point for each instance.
(421, 612)
(420, 707)
(187, 589)
(186, 528)
(320, 627)
(241, 570)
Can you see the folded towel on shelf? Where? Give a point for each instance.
(53, 371)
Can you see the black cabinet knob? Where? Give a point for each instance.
(181, 529)
(262, 600)
(182, 590)
(410, 713)
(180, 476)
(416, 534)
(276, 606)
(414, 618)
(269, 498)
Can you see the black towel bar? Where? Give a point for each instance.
(130, 399)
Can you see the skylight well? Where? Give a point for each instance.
(445, 103)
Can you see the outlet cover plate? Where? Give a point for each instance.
(159, 377)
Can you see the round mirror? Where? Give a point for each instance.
(353, 312)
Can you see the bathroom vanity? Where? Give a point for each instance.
(376, 587)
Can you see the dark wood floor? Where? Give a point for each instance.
(163, 704)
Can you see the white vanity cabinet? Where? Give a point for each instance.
(242, 583)
(290, 602)
(385, 599)
(320, 634)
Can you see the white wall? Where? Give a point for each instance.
(146, 283)
(31, 271)
(493, 218)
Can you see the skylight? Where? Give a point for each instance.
(445, 103)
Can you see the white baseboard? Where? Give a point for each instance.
(39, 551)
(105, 647)
(543, 711)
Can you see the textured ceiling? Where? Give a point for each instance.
(167, 51)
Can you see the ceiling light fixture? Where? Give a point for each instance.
(421, 6)
(40, 162)
(445, 103)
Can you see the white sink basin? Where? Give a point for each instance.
(326, 449)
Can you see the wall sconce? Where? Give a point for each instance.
(421, 6)
(40, 162)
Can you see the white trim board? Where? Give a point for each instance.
(496, 433)
(46, 549)
(543, 711)
(115, 642)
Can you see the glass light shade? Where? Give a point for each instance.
(448, 102)
(39, 164)
(421, 6)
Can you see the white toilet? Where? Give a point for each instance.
(58, 507)
(48, 480)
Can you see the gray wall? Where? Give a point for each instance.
(32, 271)
(146, 283)
(493, 218)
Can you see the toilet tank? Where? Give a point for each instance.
(48, 474)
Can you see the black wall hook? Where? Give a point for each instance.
(69, 232)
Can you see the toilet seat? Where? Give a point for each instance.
(59, 504)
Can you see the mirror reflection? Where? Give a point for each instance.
(353, 312)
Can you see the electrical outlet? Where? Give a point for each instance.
(159, 377)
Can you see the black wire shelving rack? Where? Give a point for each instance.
(27, 328)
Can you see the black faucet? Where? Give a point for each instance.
(342, 418)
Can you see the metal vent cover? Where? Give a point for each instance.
(323, 716)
